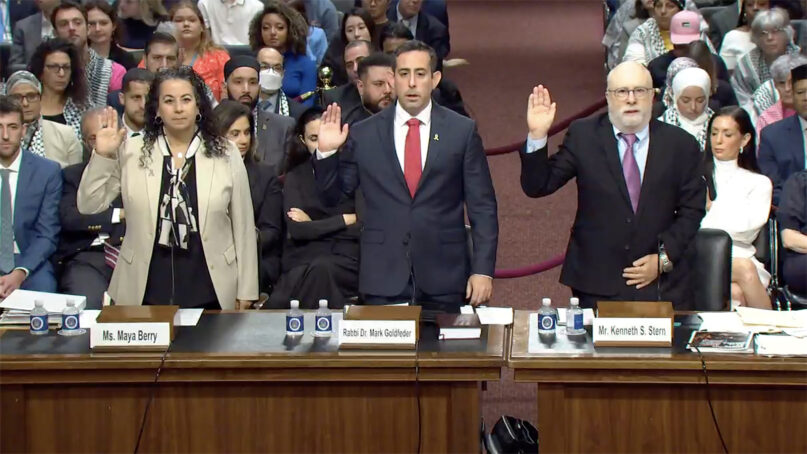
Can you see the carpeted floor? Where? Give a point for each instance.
(513, 45)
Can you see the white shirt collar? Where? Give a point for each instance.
(803, 123)
(640, 136)
(15, 166)
(411, 20)
(129, 130)
(402, 116)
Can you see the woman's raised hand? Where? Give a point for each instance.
(109, 137)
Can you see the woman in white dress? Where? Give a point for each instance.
(738, 201)
(738, 41)
(691, 88)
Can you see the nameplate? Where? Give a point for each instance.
(377, 333)
(637, 332)
(138, 336)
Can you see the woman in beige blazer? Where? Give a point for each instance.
(190, 233)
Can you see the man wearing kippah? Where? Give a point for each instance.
(782, 145)
(45, 138)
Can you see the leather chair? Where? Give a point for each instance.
(712, 270)
(235, 50)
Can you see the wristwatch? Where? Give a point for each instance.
(664, 260)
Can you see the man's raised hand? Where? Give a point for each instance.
(540, 113)
(332, 133)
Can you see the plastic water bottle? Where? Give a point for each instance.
(547, 317)
(294, 320)
(322, 320)
(574, 318)
(39, 319)
(70, 321)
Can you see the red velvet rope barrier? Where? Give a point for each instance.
(556, 128)
(529, 270)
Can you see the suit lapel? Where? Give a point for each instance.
(387, 138)
(653, 167)
(611, 150)
(434, 152)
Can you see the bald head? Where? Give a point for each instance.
(630, 97)
(269, 57)
(90, 124)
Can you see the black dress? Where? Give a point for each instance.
(180, 276)
(321, 256)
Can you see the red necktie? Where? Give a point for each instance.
(412, 167)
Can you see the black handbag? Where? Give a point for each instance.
(512, 435)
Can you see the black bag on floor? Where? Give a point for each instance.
(512, 435)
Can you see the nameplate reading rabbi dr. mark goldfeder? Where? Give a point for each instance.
(130, 335)
(388, 332)
(632, 330)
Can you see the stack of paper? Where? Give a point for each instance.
(490, 315)
(731, 322)
(781, 346)
(20, 303)
(781, 319)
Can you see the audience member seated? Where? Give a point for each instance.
(424, 27)
(321, 253)
(357, 25)
(378, 12)
(162, 52)
(272, 97)
(48, 139)
(203, 242)
(56, 64)
(237, 124)
(103, 29)
(375, 85)
(272, 130)
(690, 110)
(781, 146)
(393, 36)
(316, 41)
(346, 95)
(630, 15)
(225, 20)
(653, 37)
(284, 29)
(85, 266)
(29, 33)
(13, 12)
(738, 201)
(139, 20)
(792, 216)
(196, 47)
(103, 75)
(780, 98)
(722, 92)
(772, 34)
(136, 85)
(322, 14)
(30, 189)
(737, 42)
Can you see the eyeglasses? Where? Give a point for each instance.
(29, 98)
(623, 93)
(770, 33)
(277, 68)
(56, 68)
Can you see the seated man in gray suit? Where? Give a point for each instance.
(272, 130)
(45, 138)
(28, 33)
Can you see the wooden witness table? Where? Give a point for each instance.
(234, 383)
(655, 400)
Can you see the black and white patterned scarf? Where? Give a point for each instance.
(33, 138)
(177, 219)
(99, 72)
(72, 115)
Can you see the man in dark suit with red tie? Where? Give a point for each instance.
(640, 195)
(419, 166)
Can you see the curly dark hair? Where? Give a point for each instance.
(297, 27)
(77, 87)
(215, 145)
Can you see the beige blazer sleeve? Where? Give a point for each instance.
(100, 184)
(61, 144)
(243, 221)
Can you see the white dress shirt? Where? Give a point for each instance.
(12, 182)
(640, 148)
(47, 28)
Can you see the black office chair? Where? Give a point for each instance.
(712, 270)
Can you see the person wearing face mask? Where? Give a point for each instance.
(272, 131)
(375, 85)
(237, 123)
(272, 97)
(738, 202)
(640, 193)
(690, 107)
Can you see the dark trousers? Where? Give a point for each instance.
(439, 303)
(794, 272)
(331, 277)
(87, 274)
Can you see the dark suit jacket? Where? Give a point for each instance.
(80, 230)
(26, 36)
(428, 231)
(607, 236)
(781, 152)
(326, 233)
(347, 96)
(430, 31)
(267, 203)
(36, 214)
(274, 132)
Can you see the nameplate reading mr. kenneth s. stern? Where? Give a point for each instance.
(122, 335)
(377, 332)
(632, 331)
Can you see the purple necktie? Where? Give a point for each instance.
(630, 169)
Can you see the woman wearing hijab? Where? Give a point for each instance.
(689, 109)
(190, 232)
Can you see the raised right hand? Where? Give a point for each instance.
(540, 112)
(109, 137)
(332, 134)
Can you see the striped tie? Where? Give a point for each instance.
(6, 224)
